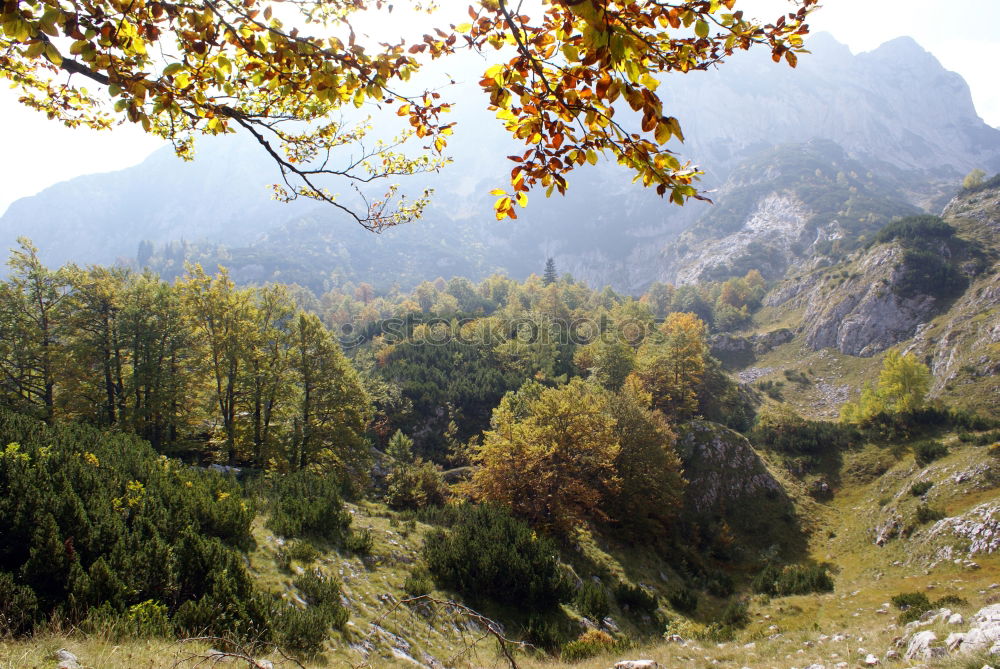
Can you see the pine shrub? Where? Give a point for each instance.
(636, 598)
(684, 600)
(97, 525)
(489, 554)
(592, 601)
(590, 644)
(926, 452)
(792, 580)
(307, 504)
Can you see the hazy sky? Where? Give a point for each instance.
(962, 34)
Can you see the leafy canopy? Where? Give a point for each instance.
(183, 69)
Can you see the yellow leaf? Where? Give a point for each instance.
(52, 53)
(662, 133)
(35, 50)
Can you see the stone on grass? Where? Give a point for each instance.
(919, 647)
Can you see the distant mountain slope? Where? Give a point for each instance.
(221, 195)
(795, 204)
(894, 110)
(928, 289)
(895, 104)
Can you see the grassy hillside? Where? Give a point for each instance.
(875, 487)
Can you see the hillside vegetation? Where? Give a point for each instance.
(537, 473)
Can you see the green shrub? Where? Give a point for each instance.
(786, 432)
(635, 598)
(771, 388)
(920, 488)
(307, 504)
(720, 585)
(359, 542)
(792, 580)
(590, 644)
(796, 376)
(544, 631)
(489, 554)
(415, 486)
(18, 607)
(592, 601)
(926, 514)
(418, 582)
(926, 452)
(736, 614)
(909, 600)
(950, 600)
(322, 592)
(804, 579)
(912, 605)
(923, 227)
(298, 551)
(302, 631)
(926, 272)
(986, 438)
(684, 600)
(98, 525)
(148, 619)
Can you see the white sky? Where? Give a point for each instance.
(962, 35)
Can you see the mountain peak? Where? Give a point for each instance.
(906, 50)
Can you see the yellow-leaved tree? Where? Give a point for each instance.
(558, 74)
(671, 364)
(902, 387)
(550, 455)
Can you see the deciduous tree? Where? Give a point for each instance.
(333, 408)
(902, 386)
(670, 365)
(550, 455)
(31, 310)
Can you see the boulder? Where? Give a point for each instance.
(919, 647)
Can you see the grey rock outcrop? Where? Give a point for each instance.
(863, 314)
(721, 467)
(978, 530)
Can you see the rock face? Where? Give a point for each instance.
(722, 468)
(779, 224)
(978, 529)
(864, 315)
(920, 646)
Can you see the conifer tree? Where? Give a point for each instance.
(550, 276)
